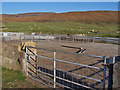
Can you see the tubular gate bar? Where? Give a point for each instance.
(55, 77)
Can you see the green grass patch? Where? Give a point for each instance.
(14, 79)
(102, 29)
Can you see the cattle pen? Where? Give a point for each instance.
(58, 65)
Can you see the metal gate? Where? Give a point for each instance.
(43, 68)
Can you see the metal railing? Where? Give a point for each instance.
(73, 38)
(56, 78)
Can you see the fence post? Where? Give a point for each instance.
(110, 77)
(73, 39)
(59, 38)
(104, 73)
(26, 61)
(54, 69)
(93, 40)
(116, 73)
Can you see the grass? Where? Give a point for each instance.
(14, 79)
(102, 29)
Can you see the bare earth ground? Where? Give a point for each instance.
(99, 49)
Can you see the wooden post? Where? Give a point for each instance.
(110, 77)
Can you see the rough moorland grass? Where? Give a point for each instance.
(14, 79)
(102, 29)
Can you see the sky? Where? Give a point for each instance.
(58, 7)
(60, 0)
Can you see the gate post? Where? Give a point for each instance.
(104, 73)
(116, 73)
(54, 69)
(110, 77)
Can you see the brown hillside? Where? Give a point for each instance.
(27, 14)
(88, 16)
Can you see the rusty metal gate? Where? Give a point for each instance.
(46, 68)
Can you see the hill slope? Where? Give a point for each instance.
(86, 16)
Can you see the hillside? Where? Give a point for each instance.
(27, 14)
(83, 16)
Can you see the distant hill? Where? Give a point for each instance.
(27, 14)
(82, 16)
